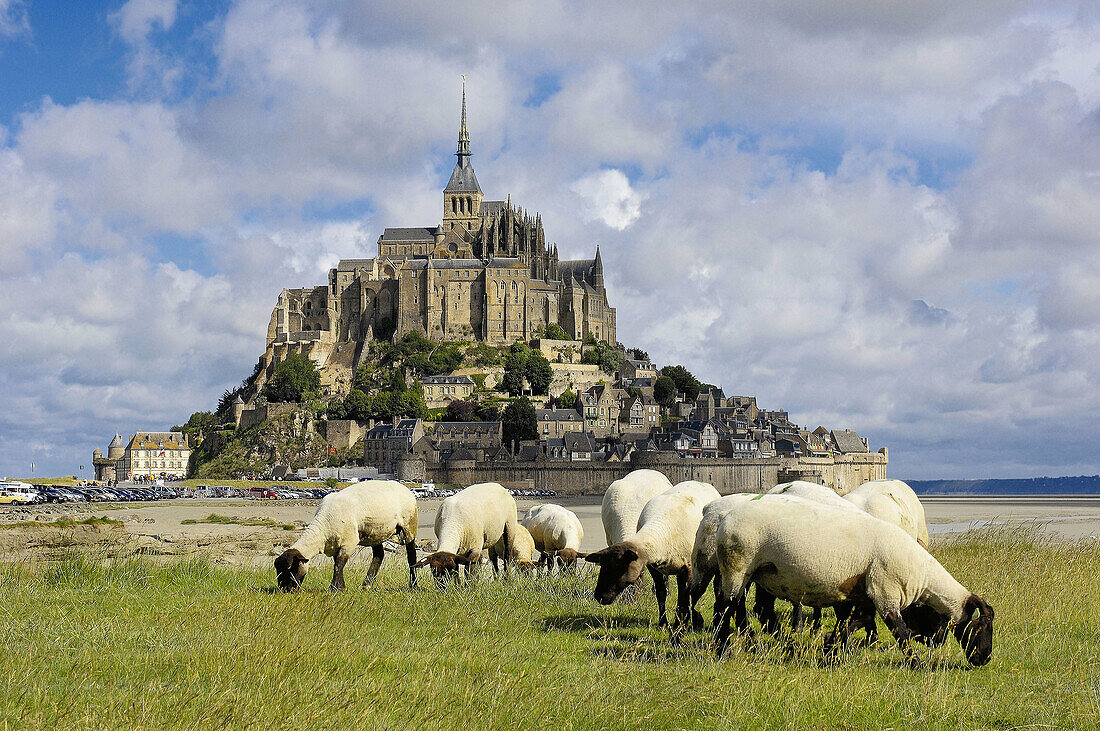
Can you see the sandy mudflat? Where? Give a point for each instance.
(157, 529)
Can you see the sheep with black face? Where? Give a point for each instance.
(662, 544)
(557, 533)
(363, 514)
(469, 522)
(821, 556)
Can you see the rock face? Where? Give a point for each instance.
(290, 439)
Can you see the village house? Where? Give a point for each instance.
(383, 444)
(442, 390)
(153, 455)
(553, 423)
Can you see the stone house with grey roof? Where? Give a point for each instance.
(384, 444)
(442, 390)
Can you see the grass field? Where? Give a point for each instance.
(91, 644)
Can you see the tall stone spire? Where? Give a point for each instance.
(463, 132)
(463, 179)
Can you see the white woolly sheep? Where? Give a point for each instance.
(624, 500)
(557, 533)
(764, 606)
(363, 514)
(522, 553)
(895, 502)
(468, 523)
(822, 556)
(663, 544)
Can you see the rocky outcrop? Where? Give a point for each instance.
(290, 438)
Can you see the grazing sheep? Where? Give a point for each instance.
(821, 556)
(557, 533)
(764, 606)
(704, 553)
(468, 523)
(663, 544)
(896, 503)
(813, 492)
(523, 550)
(363, 514)
(624, 500)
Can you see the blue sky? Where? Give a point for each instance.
(879, 216)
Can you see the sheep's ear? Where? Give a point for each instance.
(596, 557)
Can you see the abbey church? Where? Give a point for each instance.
(484, 272)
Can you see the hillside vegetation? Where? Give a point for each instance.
(139, 645)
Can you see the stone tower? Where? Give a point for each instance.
(462, 196)
(116, 448)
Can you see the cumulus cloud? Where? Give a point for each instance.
(608, 197)
(876, 216)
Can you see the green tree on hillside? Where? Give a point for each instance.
(515, 368)
(664, 391)
(554, 331)
(686, 383)
(607, 357)
(296, 379)
(539, 373)
(460, 410)
(567, 400)
(519, 422)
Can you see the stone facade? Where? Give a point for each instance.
(485, 272)
(151, 455)
(842, 473)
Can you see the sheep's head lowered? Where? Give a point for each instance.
(975, 634)
(444, 564)
(620, 566)
(290, 569)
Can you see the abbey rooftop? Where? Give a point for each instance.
(485, 272)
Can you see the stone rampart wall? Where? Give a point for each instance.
(727, 475)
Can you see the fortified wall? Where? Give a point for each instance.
(842, 473)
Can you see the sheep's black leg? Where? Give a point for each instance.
(660, 588)
(683, 600)
(493, 560)
(375, 564)
(741, 615)
(842, 631)
(815, 626)
(507, 557)
(719, 601)
(410, 552)
(338, 562)
(722, 628)
(902, 634)
(796, 616)
(764, 609)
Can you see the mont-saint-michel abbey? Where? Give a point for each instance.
(484, 272)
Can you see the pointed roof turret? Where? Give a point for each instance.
(463, 179)
(463, 132)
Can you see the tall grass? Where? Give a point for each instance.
(94, 644)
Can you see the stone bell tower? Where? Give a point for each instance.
(462, 196)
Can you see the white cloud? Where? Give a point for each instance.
(608, 197)
(878, 217)
(14, 21)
